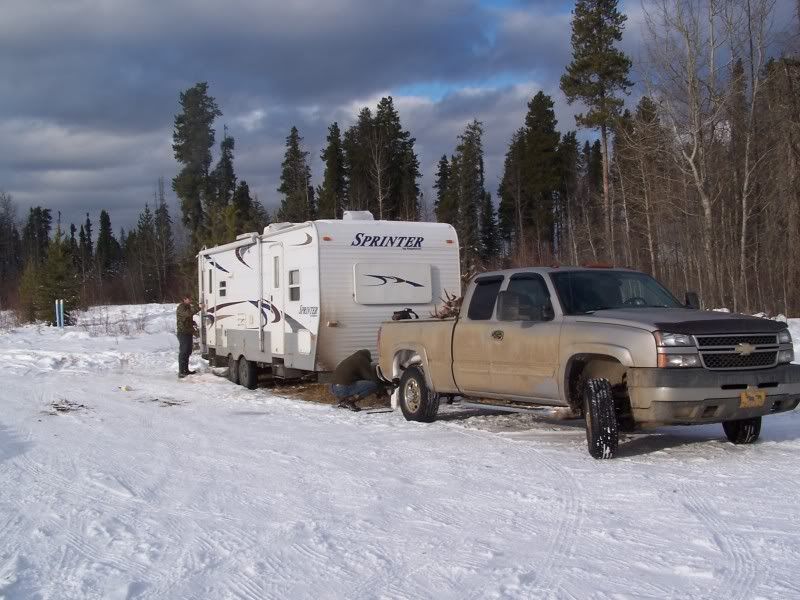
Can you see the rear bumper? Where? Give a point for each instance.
(691, 396)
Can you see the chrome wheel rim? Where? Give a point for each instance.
(412, 395)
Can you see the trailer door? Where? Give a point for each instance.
(276, 321)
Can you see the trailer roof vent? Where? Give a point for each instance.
(357, 215)
(245, 236)
(273, 227)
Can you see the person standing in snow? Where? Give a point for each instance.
(185, 330)
(354, 379)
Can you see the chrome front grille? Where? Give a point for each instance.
(738, 352)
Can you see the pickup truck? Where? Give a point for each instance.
(614, 345)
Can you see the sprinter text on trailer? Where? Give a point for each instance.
(301, 297)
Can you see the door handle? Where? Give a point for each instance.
(497, 334)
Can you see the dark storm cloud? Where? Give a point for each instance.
(92, 85)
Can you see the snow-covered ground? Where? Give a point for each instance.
(117, 480)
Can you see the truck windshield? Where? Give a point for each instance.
(583, 292)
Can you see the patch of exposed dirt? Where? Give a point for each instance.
(318, 392)
(62, 405)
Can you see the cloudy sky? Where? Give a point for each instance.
(90, 87)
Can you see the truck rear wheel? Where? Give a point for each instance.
(233, 369)
(248, 373)
(602, 432)
(417, 402)
(744, 431)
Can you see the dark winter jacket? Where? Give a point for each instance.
(356, 367)
(184, 315)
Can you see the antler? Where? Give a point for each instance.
(451, 306)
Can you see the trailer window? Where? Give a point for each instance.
(210, 283)
(276, 269)
(481, 306)
(222, 288)
(294, 286)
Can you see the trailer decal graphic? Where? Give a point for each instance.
(216, 264)
(241, 250)
(385, 280)
(405, 242)
(306, 243)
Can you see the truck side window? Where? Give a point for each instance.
(532, 298)
(484, 296)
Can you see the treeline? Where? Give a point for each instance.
(696, 180)
(40, 262)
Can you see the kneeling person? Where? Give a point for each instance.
(354, 379)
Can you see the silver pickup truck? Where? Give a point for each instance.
(612, 344)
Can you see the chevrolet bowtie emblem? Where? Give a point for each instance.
(744, 349)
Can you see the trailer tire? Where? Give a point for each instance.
(417, 402)
(602, 431)
(233, 369)
(744, 431)
(248, 373)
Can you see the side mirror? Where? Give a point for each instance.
(692, 300)
(548, 314)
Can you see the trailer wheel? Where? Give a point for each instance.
(233, 369)
(417, 402)
(248, 373)
(744, 431)
(602, 433)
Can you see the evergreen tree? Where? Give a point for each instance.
(445, 212)
(193, 138)
(467, 185)
(490, 243)
(28, 292)
(223, 183)
(10, 248)
(109, 251)
(355, 146)
(542, 173)
(596, 76)
(57, 280)
(298, 195)
(89, 243)
(566, 211)
(513, 196)
(164, 244)
(333, 191)
(36, 234)
(147, 255)
(247, 217)
(74, 253)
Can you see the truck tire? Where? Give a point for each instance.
(417, 402)
(233, 369)
(602, 432)
(744, 431)
(248, 373)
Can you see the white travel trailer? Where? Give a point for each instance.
(303, 296)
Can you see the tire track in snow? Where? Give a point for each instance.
(746, 574)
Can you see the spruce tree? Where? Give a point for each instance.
(165, 244)
(542, 173)
(36, 234)
(490, 243)
(298, 195)
(467, 185)
(597, 75)
(513, 207)
(355, 146)
(192, 140)
(57, 280)
(10, 248)
(333, 191)
(109, 252)
(444, 212)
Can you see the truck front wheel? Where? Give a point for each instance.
(417, 402)
(744, 431)
(602, 432)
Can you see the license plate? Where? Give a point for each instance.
(752, 398)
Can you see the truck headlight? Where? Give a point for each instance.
(672, 340)
(784, 337)
(677, 361)
(786, 356)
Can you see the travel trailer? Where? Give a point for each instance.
(300, 297)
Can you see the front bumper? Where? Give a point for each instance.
(691, 396)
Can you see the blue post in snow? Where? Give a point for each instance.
(60, 313)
